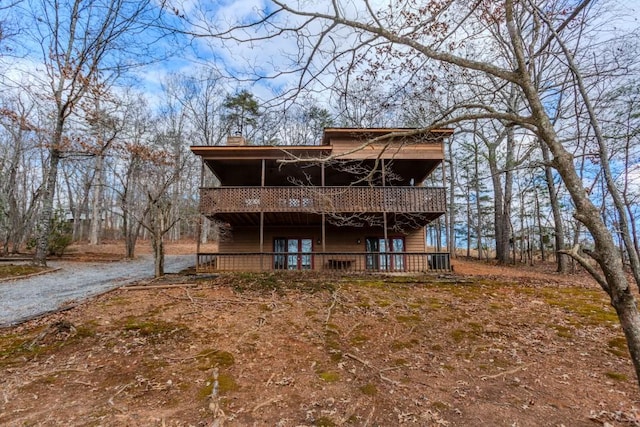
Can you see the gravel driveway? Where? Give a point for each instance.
(22, 299)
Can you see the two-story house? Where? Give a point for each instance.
(354, 202)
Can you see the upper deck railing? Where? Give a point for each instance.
(322, 199)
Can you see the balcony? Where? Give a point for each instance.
(318, 200)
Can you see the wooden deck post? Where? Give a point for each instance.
(262, 182)
(384, 209)
(324, 231)
(199, 224)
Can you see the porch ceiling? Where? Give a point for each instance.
(248, 172)
(401, 221)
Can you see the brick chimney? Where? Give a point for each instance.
(236, 140)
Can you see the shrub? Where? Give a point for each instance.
(60, 236)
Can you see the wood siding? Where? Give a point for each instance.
(339, 241)
(343, 149)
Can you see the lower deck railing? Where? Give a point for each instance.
(389, 262)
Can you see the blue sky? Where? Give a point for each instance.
(240, 60)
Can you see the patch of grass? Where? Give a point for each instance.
(458, 334)
(359, 339)
(369, 389)
(15, 348)
(618, 346)
(589, 305)
(563, 331)
(371, 283)
(400, 362)
(411, 318)
(86, 330)
(11, 270)
(215, 359)
(364, 304)
(616, 376)
(472, 332)
(397, 345)
(494, 306)
(333, 328)
(439, 406)
(329, 376)
(435, 303)
(226, 384)
(154, 329)
(476, 328)
(12, 345)
(325, 422)
(279, 282)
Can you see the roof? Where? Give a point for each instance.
(312, 151)
(359, 133)
(257, 151)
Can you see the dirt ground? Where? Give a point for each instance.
(114, 250)
(486, 345)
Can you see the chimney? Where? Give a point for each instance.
(236, 140)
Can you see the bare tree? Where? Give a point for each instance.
(104, 128)
(161, 172)
(19, 187)
(506, 40)
(82, 43)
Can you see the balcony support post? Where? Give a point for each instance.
(262, 182)
(199, 224)
(324, 231)
(261, 240)
(384, 208)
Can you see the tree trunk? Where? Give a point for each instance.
(158, 254)
(613, 279)
(451, 214)
(501, 207)
(543, 254)
(468, 222)
(476, 172)
(558, 225)
(46, 214)
(96, 203)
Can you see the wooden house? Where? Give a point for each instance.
(354, 202)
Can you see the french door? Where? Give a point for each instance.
(292, 254)
(385, 255)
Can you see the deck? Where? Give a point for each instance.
(388, 262)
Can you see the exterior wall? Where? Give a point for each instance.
(344, 248)
(430, 151)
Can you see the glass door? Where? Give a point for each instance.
(292, 257)
(306, 247)
(372, 245)
(279, 257)
(397, 261)
(380, 254)
(293, 254)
